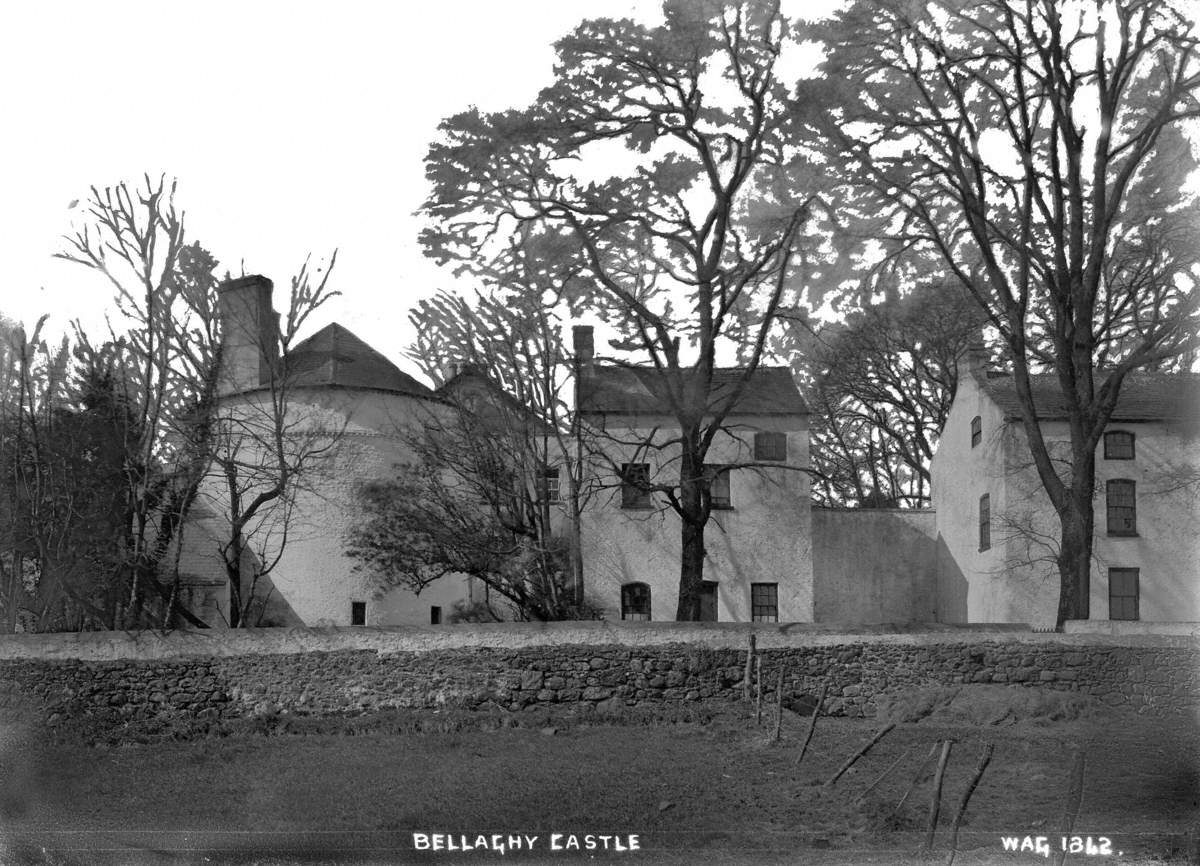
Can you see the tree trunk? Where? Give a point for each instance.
(691, 558)
(1075, 561)
(233, 569)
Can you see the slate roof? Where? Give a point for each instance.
(1143, 397)
(472, 389)
(336, 357)
(632, 390)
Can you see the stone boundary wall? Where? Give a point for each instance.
(334, 673)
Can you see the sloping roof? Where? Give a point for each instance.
(632, 390)
(475, 391)
(334, 356)
(1143, 397)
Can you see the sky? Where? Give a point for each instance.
(292, 129)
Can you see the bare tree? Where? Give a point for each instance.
(163, 345)
(1035, 147)
(883, 383)
(698, 242)
(498, 485)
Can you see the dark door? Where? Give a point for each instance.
(708, 601)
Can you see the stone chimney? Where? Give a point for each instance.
(249, 333)
(584, 343)
(974, 359)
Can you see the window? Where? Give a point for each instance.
(764, 602)
(1118, 445)
(708, 601)
(770, 446)
(435, 614)
(985, 522)
(976, 431)
(635, 478)
(718, 487)
(1122, 593)
(635, 601)
(1121, 496)
(358, 613)
(549, 490)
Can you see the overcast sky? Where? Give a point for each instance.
(291, 128)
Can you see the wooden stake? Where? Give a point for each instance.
(850, 763)
(933, 750)
(758, 690)
(778, 704)
(935, 798)
(812, 722)
(962, 807)
(882, 776)
(1074, 798)
(749, 670)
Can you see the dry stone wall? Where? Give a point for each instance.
(1155, 675)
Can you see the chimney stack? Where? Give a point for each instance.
(249, 333)
(974, 359)
(584, 343)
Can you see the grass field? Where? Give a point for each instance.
(715, 790)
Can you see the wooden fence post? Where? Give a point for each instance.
(935, 798)
(962, 807)
(812, 723)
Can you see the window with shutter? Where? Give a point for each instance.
(770, 446)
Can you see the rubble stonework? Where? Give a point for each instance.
(1146, 678)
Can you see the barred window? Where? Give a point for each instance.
(764, 602)
(976, 431)
(718, 487)
(1118, 445)
(635, 478)
(635, 601)
(1123, 593)
(1121, 498)
(985, 522)
(770, 446)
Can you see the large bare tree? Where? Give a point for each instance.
(1038, 148)
(882, 383)
(691, 245)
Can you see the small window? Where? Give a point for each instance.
(1118, 445)
(770, 446)
(1121, 498)
(358, 613)
(985, 522)
(1123, 593)
(764, 602)
(435, 614)
(976, 431)
(635, 601)
(718, 487)
(635, 478)
(550, 491)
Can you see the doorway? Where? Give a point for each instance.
(708, 601)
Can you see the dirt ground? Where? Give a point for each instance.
(716, 790)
